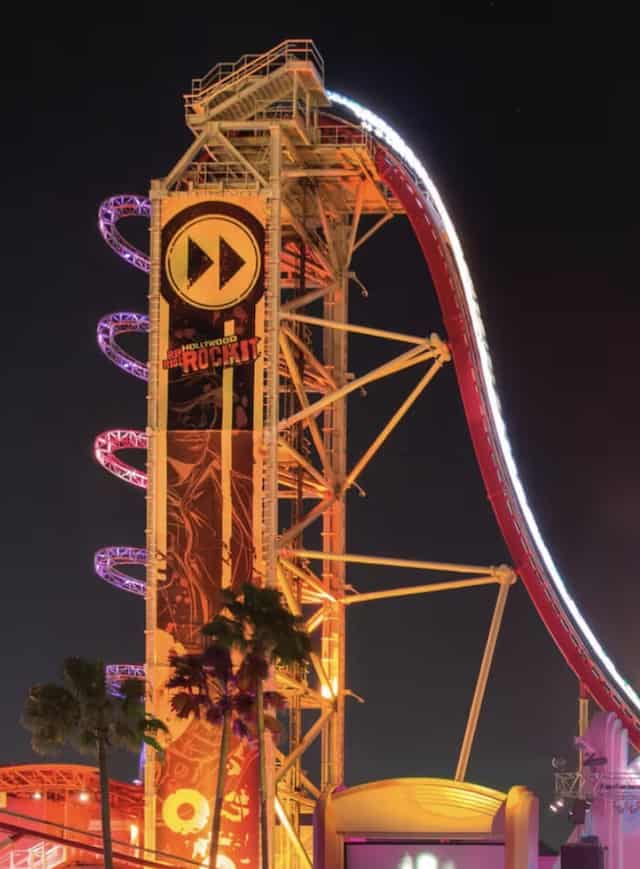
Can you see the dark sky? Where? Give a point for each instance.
(530, 127)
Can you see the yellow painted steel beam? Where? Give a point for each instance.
(233, 151)
(440, 566)
(376, 226)
(314, 621)
(583, 721)
(366, 457)
(326, 228)
(309, 785)
(304, 463)
(321, 370)
(412, 357)
(291, 833)
(321, 173)
(307, 804)
(307, 577)
(287, 591)
(355, 220)
(481, 684)
(304, 402)
(310, 517)
(407, 591)
(304, 235)
(185, 161)
(357, 329)
(321, 673)
(302, 301)
(301, 688)
(309, 737)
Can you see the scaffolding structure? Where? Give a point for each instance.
(262, 125)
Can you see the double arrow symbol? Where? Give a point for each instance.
(198, 262)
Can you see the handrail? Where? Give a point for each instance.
(223, 75)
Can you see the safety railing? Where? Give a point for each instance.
(224, 76)
(39, 856)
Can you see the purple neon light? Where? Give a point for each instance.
(106, 562)
(116, 674)
(107, 444)
(119, 323)
(117, 208)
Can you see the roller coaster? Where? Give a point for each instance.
(268, 125)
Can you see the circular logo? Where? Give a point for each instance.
(213, 261)
(185, 811)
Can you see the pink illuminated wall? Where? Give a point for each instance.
(394, 856)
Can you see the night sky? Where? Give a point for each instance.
(530, 128)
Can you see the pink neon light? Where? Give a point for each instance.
(107, 444)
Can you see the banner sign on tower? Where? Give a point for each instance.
(209, 330)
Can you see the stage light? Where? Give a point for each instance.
(84, 796)
(37, 795)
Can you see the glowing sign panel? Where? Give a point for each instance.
(208, 328)
(424, 856)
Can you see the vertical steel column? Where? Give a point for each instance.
(334, 520)
(152, 504)
(272, 401)
(271, 351)
(583, 720)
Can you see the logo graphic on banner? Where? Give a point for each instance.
(213, 262)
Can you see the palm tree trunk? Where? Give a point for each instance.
(104, 805)
(222, 776)
(264, 818)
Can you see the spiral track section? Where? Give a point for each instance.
(109, 444)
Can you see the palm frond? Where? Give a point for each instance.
(185, 704)
(153, 743)
(216, 661)
(84, 740)
(85, 679)
(51, 714)
(225, 632)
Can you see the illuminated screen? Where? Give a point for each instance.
(426, 856)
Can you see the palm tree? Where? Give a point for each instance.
(268, 634)
(83, 712)
(206, 687)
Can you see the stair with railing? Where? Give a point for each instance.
(41, 855)
(260, 78)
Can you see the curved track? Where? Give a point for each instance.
(410, 183)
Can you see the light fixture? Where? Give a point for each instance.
(84, 796)
(37, 795)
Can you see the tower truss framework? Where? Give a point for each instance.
(266, 126)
